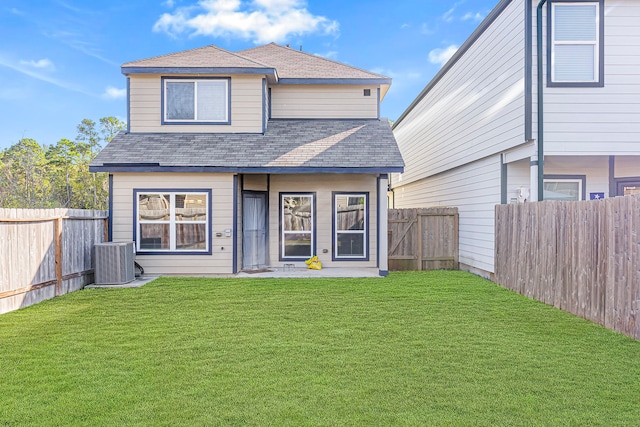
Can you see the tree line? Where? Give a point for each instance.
(38, 176)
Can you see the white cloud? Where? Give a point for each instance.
(27, 71)
(426, 29)
(114, 93)
(440, 56)
(448, 15)
(43, 64)
(169, 3)
(470, 16)
(79, 42)
(262, 21)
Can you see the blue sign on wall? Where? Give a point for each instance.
(596, 196)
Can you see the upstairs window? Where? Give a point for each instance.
(195, 101)
(576, 44)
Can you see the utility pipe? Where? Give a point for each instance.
(540, 141)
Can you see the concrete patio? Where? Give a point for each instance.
(272, 272)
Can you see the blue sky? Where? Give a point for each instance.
(60, 59)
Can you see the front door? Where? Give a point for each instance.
(254, 230)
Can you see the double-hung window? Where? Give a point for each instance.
(350, 224)
(297, 225)
(173, 221)
(195, 101)
(576, 43)
(564, 187)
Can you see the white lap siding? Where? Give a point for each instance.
(601, 120)
(475, 110)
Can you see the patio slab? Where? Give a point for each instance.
(307, 273)
(139, 281)
(271, 272)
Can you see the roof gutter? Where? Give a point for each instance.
(157, 167)
(127, 70)
(540, 141)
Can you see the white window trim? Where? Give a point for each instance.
(363, 231)
(595, 43)
(285, 232)
(172, 221)
(578, 180)
(195, 100)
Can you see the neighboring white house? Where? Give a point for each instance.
(472, 138)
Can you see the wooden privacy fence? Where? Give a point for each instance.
(46, 252)
(423, 239)
(581, 257)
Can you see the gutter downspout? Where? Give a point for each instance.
(540, 140)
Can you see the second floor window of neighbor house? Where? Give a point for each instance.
(576, 43)
(192, 101)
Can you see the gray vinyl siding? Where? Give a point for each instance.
(475, 110)
(602, 120)
(475, 190)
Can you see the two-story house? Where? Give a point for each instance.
(254, 159)
(541, 102)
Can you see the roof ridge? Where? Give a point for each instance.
(315, 57)
(247, 59)
(200, 48)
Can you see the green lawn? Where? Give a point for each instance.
(434, 348)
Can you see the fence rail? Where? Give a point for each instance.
(46, 252)
(581, 257)
(423, 239)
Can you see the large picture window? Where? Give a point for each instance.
(172, 221)
(297, 224)
(196, 101)
(576, 43)
(350, 224)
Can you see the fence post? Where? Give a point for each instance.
(106, 230)
(419, 241)
(58, 245)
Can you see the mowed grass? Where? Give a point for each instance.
(433, 348)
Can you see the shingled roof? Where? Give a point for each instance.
(207, 57)
(295, 64)
(279, 63)
(288, 146)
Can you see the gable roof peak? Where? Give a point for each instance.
(298, 64)
(206, 56)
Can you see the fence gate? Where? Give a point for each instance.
(423, 239)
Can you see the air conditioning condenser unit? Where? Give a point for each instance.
(114, 263)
